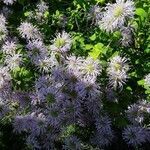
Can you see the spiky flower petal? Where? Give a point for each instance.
(13, 61)
(117, 71)
(127, 36)
(62, 43)
(90, 68)
(9, 47)
(134, 135)
(116, 14)
(28, 31)
(3, 29)
(95, 14)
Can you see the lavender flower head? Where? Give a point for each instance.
(5, 77)
(127, 36)
(116, 14)
(73, 64)
(36, 49)
(90, 68)
(3, 29)
(104, 133)
(46, 63)
(42, 7)
(13, 61)
(117, 71)
(28, 31)
(9, 48)
(62, 43)
(95, 14)
(134, 135)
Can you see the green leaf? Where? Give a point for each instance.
(100, 1)
(129, 88)
(133, 74)
(93, 37)
(88, 46)
(147, 50)
(115, 54)
(141, 82)
(141, 12)
(46, 14)
(117, 34)
(96, 51)
(27, 13)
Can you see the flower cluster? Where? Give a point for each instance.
(137, 112)
(62, 96)
(13, 58)
(61, 90)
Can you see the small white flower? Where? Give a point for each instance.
(46, 63)
(147, 79)
(62, 43)
(90, 68)
(36, 48)
(126, 33)
(116, 14)
(9, 2)
(95, 14)
(40, 56)
(13, 61)
(73, 65)
(3, 29)
(5, 77)
(83, 69)
(28, 31)
(117, 72)
(42, 7)
(9, 47)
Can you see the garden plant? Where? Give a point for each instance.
(75, 75)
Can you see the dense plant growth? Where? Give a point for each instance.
(74, 74)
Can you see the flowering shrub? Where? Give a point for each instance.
(74, 75)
